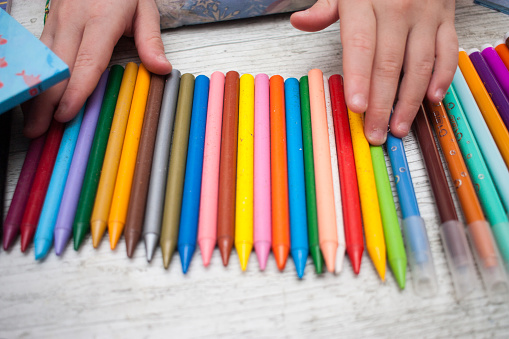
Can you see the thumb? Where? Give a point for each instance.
(323, 14)
(147, 36)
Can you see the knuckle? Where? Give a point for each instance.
(362, 42)
(421, 69)
(87, 63)
(388, 67)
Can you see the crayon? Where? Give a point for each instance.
(207, 221)
(485, 251)
(485, 188)
(81, 224)
(40, 184)
(262, 222)
(228, 167)
(486, 106)
(503, 52)
(309, 173)
(279, 173)
(141, 177)
(159, 172)
(5, 139)
(336, 184)
(323, 178)
(44, 235)
(21, 193)
(296, 182)
(67, 210)
(370, 209)
(347, 175)
(497, 67)
(176, 170)
(104, 195)
(192, 181)
(452, 231)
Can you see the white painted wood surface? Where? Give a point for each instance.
(101, 293)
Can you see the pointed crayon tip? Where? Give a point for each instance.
(167, 249)
(398, 267)
(186, 255)
(329, 250)
(27, 235)
(207, 246)
(132, 237)
(262, 249)
(244, 251)
(377, 255)
(340, 258)
(355, 255)
(62, 236)
(316, 255)
(79, 233)
(151, 240)
(115, 229)
(225, 245)
(10, 234)
(281, 255)
(300, 256)
(41, 248)
(97, 229)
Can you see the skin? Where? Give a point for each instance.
(381, 40)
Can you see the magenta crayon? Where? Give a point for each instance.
(497, 67)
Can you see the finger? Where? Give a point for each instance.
(418, 65)
(358, 38)
(446, 60)
(147, 36)
(389, 53)
(321, 15)
(99, 39)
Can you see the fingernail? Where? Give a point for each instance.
(60, 111)
(440, 94)
(404, 127)
(377, 136)
(162, 57)
(359, 101)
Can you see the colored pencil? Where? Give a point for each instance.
(67, 210)
(104, 195)
(5, 139)
(503, 52)
(176, 170)
(347, 175)
(371, 218)
(484, 186)
(228, 167)
(21, 193)
(262, 215)
(488, 261)
(309, 172)
(44, 235)
(296, 182)
(40, 184)
(207, 222)
(192, 181)
(336, 184)
(159, 173)
(141, 177)
(81, 224)
(323, 178)
(279, 173)
(497, 67)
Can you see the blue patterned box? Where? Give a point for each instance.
(27, 66)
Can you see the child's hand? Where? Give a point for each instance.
(380, 39)
(83, 33)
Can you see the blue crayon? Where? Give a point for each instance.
(417, 243)
(296, 183)
(46, 226)
(192, 183)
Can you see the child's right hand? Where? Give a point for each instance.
(83, 34)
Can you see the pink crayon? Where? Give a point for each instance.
(262, 198)
(207, 222)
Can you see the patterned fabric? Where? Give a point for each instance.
(176, 13)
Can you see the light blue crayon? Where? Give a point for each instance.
(46, 226)
(296, 184)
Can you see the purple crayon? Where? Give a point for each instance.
(63, 227)
(497, 67)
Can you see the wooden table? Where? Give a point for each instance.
(102, 293)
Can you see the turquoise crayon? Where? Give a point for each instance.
(46, 225)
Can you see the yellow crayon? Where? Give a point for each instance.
(245, 155)
(371, 218)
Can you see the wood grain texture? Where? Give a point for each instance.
(101, 293)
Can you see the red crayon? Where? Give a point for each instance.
(347, 174)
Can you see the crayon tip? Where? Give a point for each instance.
(151, 240)
(398, 267)
(131, 241)
(300, 256)
(316, 255)
(377, 255)
(62, 236)
(167, 249)
(244, 251)
(207, 246)
(262, 249)
(329, 250)
(97, 229)
(340, 258)
(225, 245)
(115, 229)
(10, 234)
(41, 248)
(355, 255)
(186, 252)
(27, 235)
(79, 232)
(281, 255)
